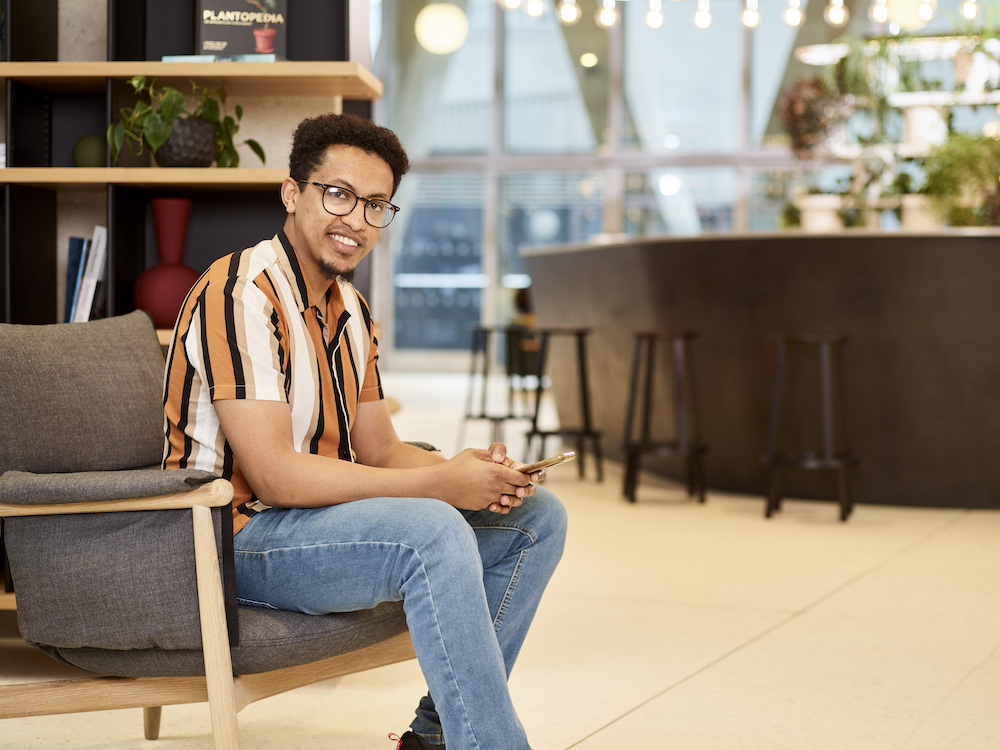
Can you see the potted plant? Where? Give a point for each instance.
(176, 135)
(809, 111)
(263, 37)
(961, 176)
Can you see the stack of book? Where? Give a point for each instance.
(86, 275)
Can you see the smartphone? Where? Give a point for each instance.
(546, 463)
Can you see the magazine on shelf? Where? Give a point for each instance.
(96, 259)
(229, 28)
(76, 260)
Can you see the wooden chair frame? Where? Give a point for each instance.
(225, 693)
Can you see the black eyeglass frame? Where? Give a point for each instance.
(324, 187)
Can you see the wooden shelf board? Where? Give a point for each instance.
(189, 178)
(349, 80)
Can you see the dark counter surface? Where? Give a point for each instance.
(923, 362)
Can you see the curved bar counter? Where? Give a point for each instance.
(922, 313)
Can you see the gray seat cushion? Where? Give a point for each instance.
(269, 639)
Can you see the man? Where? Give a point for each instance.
(272, 382)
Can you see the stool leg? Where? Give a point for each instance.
(773, 492)
(631, 455)
(844, 492)
(632, 460)
(770, 456)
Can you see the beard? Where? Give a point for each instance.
(332, 273)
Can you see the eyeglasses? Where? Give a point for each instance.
(340, 201)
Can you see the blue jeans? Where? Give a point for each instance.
(470, 583)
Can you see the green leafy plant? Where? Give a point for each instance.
(961, 176)
(264, 6)
(150, 122)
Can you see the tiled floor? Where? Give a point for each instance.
(676, 625)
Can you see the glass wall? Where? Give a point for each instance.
(533, 132)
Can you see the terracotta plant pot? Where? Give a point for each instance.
(263, 40)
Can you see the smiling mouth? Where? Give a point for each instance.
(343, 240)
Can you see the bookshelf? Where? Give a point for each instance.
(51, 104)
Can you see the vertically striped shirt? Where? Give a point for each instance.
(249, 329)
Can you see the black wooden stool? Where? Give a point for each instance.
(685, 441)
(583, 433)
(794, 420)
(478, 404)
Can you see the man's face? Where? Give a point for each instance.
(328, 246)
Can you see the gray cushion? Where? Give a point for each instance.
(269, 639)
(26, 488)
(81, 396)
(109, 580)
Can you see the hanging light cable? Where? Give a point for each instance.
(654, 16)
(607, 14)
(568, 12)
(793, 15)
(703, 16)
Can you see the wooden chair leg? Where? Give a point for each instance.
(151, 722)
(214, 634)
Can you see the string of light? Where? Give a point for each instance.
(835, 13)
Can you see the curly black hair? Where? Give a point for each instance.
(315, 135)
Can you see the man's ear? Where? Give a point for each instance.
(289, 194)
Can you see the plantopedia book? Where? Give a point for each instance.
(227, 28)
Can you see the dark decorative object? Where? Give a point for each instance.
(161, 290)
(191, 144)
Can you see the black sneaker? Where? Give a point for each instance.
(411, 741)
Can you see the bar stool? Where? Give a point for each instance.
(583, 433)
(480, 371)
(833, 452)
(685, 441)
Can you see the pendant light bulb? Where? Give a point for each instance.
(535, 8)
(510, 4)
(654, 16)
(750, 16)
(607, 14)
(793, 15)
(970, 10)
(836, 14)
(702, 18)
(878, 12)
(569, 12)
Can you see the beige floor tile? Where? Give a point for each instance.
(676, 625)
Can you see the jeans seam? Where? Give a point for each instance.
(509, 593)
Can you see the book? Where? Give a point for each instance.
(76, 259)
(231, 28)
(257, 58)
(92, 273)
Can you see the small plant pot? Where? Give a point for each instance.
(192, 144)
(263, 40)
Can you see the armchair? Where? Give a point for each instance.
(125, 570)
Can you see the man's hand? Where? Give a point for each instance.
(498, 452)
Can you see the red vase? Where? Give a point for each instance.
(161, 290)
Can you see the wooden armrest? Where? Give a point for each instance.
(212, 495)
